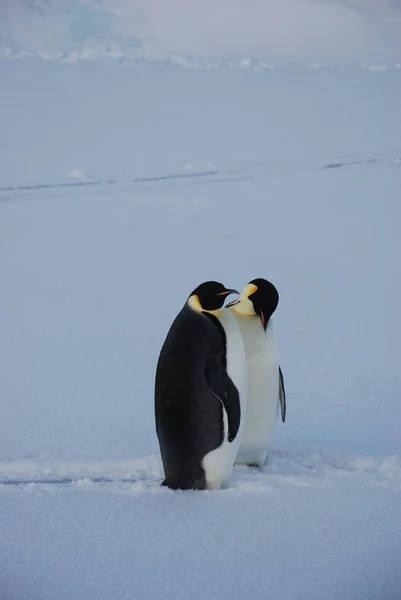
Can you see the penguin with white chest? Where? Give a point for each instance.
(253, 311)
(200, 392)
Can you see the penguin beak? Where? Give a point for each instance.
(227, 292)
(233, 303)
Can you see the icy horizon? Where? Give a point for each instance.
(269, 32)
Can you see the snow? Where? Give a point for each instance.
(84, 544)
(77, 174)
(230, 173)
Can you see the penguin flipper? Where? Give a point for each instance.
(227, 394)
(283, 402)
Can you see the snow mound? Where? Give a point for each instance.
(77, 174)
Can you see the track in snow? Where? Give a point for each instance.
(211, 175)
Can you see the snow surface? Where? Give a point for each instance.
(226, 174)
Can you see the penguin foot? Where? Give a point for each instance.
(192, 485)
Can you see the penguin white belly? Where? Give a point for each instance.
(218, 464)
(263, 390)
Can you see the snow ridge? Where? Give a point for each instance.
(299, 466)
(207, 34)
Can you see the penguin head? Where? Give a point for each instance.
(259, 297)
(209, 296)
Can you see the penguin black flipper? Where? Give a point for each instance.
(228, 395)
(221, 385)
(283, 402)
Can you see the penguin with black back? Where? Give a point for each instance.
(200, 392)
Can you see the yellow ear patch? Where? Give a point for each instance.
(245, 307)
(250, 289)
(194, 303)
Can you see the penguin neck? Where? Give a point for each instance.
(269, 326)
(243, 310)
(253, 321)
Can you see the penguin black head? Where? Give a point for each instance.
(259, 297)
(209, 296)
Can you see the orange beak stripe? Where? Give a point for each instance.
(226, 292)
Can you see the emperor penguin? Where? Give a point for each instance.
(200, 392)
(253, 311)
